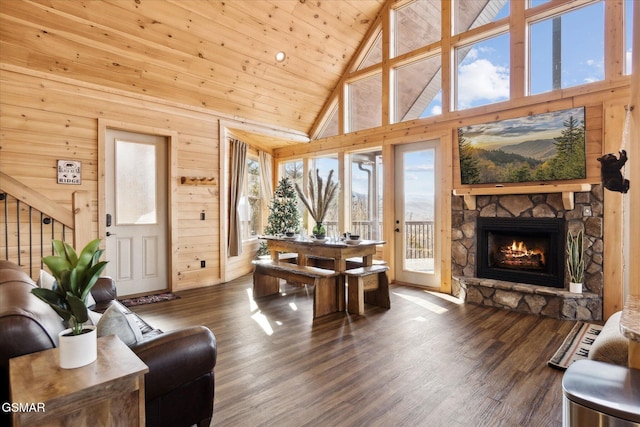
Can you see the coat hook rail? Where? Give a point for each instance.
(193, 180)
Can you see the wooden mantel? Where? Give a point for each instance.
(567, 190)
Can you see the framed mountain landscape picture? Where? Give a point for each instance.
(541, 147)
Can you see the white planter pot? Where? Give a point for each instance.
(78, 350)
(576, 288)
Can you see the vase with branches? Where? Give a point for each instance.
(318, 199)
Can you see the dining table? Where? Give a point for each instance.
(336, 252)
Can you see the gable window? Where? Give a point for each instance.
(628, 25)
(418, 89)
(365, 102)
(482, 72)
(554, 49)
(250, 207)
(417, 24)
(331, 127)
(374, 54)
(469, 14)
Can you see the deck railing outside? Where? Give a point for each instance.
(419, 235)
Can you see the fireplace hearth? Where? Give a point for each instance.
(521, 250)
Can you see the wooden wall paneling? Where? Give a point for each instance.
(518, 55)
(59, 117)
(633, 165)
(614, 39)
(613, 227)
(388, 209)
(445, 164)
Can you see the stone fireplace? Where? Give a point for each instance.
(521, 250)
(506, 275)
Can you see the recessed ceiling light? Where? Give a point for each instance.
(280, 56)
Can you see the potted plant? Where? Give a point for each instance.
(74, 275)
(318, 199)
(575, 260)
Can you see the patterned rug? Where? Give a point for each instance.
(576, 345)
(149, 299)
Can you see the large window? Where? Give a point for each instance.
(366, 195)
(365, 103)
(469, 14)
(250, 207)
(416, 24)
(418, 88)
(325, 165)
(482, 72)
(628, 25)
(567, 50)
(435, 67)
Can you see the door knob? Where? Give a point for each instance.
(397, 230)
(110, 234)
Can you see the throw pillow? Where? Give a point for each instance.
(114, 321)
(94, 317)
(46, 280)
(90, 301)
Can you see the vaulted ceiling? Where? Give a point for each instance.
(217, 55)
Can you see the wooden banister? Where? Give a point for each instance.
(78, 218)
(36, 200)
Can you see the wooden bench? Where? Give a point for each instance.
(288, 257)
(356, 262)
(367, 285)
(267, 275)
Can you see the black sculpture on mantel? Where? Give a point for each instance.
(612, 178)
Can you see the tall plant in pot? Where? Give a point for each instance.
(74, 275)
(575, 260)
(318, 199)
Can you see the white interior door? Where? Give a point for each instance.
(136, 206)
(416, 214)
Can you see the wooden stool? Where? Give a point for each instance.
(367, 285)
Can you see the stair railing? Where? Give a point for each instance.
(29, 221)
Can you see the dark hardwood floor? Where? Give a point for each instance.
(428, 361)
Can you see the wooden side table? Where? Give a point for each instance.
(107, 392)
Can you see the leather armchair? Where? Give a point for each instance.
(179, 386)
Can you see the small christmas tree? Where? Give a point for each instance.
(283, 212)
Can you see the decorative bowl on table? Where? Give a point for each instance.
(352, 242)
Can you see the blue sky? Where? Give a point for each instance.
(483, 74)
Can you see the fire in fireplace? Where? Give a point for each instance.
(524, 250)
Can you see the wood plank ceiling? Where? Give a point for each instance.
(217, 55)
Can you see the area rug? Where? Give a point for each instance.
(149, 299)
(576, 345)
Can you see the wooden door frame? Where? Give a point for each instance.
(445, 159)
(172, 184)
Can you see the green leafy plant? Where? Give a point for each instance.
(575, 256)
(74, 275)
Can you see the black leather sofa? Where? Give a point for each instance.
(179, 386)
